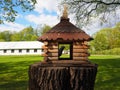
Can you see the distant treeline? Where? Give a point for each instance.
(106, 39)
(114, 51)
(27, 34)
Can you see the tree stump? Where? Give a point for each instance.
(62, 76)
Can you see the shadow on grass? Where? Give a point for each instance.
(14, 85)
(14, 66)
(108, 76)
(14, 76)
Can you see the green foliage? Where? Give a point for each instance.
(44, 29)
(27, 34)
(100, 41)
(16, 37)
(5, 36)
(34, 38)
(114, 51)
(10, 8)
(67, 46)
(107, 38)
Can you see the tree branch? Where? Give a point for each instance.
(99, 1)
(85, 9)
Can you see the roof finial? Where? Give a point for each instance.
(65, 12)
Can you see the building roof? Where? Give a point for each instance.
(21, 45)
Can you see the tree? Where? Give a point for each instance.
(86, 10)
(107, 38)
(27, 33)
(10, 8)
(1, 37)
(115, 37)
(5, 36)
(16, 36)
(44, 29)
(34, 38)
(100, 41)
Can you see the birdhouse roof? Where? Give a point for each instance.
(65, 30)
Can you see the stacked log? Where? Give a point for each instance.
(50, 51)
(45, 51)
(80, 51)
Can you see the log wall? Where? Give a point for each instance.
(50, 51)
(80, 51)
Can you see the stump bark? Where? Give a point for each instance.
(56, 76)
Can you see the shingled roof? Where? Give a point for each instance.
(65, 30)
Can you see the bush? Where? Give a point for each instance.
(115, 51)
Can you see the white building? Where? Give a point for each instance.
(21, 48)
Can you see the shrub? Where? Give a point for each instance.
(115, 51)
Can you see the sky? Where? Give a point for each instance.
(47, 12)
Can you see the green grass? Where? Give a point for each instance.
(65, 56)
(14, 71)
(108, 76)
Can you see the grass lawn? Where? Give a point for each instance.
(108, 76)
(65, 56)
(14, 72)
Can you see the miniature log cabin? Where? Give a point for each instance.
(58, 72)
(66, 35)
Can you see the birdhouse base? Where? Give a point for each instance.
(62, 76)
(68, 62)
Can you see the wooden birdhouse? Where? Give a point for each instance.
(65, 42)
(66, 65)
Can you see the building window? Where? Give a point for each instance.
(20, 50)
(5, 51)
(27, 50)
(42, 50)
(35, 50)
(12, 51)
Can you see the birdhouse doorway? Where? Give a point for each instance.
(65, 51)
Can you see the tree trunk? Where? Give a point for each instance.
(53, 76)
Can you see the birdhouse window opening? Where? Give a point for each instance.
(65, 51)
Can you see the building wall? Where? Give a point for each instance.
(20, 52)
